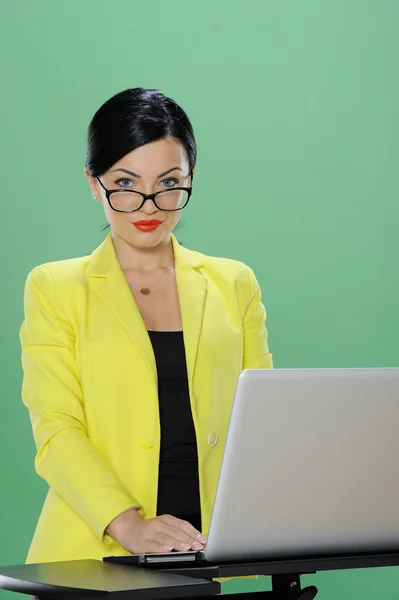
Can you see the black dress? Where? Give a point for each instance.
(178, 484)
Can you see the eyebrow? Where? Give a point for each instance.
(139, 176)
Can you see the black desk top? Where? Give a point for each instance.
(97, 580)
(92, 579)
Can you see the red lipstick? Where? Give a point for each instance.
(150, 225)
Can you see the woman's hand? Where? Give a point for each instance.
(160, 534)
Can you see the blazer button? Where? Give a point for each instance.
(212, 439)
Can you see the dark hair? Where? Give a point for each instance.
(131, 119)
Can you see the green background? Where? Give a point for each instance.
(295, 107)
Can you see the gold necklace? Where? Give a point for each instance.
(146, 290)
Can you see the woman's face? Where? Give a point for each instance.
(157, 166)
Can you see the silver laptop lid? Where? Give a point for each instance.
(311, 465)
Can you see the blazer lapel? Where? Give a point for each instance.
(111, 286)
(192, 288)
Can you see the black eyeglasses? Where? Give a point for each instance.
(127, 201)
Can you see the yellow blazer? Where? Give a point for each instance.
(90, 384)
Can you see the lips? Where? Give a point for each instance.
(148, 222)
(149, 225)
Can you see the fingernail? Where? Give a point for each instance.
(197, 546)
(169, 548)
(201, 538)
(185, 546)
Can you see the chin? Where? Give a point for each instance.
(143, 239)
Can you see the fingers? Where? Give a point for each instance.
(186, 527)
(190, 531)
(162, 534)
(168, 535)
(152, 547)
(169, 542)
(185, 536)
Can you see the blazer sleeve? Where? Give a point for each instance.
(51, 390)
(256, 354)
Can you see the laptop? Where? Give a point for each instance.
(310, 468)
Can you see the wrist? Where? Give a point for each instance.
(118, 525)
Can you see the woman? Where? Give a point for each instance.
(131, 355)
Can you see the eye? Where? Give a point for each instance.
(169, 182)
(124, 182)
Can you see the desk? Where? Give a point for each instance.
(114, 579)
(94, 580)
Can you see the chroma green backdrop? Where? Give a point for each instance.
(295, 107)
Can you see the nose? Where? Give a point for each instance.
(149, 207)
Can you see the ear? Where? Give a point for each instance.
(195, 168)
(93, 185)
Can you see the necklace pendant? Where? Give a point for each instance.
(145, 291)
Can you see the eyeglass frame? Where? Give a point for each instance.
(146, 197)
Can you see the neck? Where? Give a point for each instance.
(145, 260)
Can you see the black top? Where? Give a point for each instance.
(178, 485)
(96, 580)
